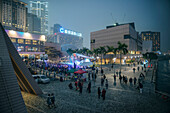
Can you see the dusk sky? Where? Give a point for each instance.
(86, 16)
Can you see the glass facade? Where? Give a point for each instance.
(26, 45)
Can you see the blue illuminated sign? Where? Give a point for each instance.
(61, 30)
(70, 32)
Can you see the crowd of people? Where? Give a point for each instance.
(91, 78)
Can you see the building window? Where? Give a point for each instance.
(28, 49)
(21, 41)
(34, 49)
(20, 48)
(27, 41)
(34, 42)
(13, 40)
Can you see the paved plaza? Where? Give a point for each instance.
(120, 97)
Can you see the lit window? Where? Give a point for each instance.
(27, 41)
(13, 40)
(34, 49)
(34, 42)
(20, 41)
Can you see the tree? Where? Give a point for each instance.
(102, 52)
(70, 51)
(89, 52)
(84, 50)
(122, 49)
(150, 56)
(110, 49)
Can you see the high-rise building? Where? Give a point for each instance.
(33, 23)
(13, 15)
(154, 37)
(40, 8)
(66, 38)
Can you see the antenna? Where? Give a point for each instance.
(113, 18)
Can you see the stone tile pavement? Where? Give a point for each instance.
(120, 98)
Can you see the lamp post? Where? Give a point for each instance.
(114, 65)
(125, 62)
(43, 57)
(131, 61)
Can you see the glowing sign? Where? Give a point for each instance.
(61, 30)
(70, 32)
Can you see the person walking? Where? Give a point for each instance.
(102, 71)
(107, 84)
(120, 78)
(76, 83)
(104, 76)
(89, 76)
(80, 87)
(138, 68)
(70, 86)
(140, 87)
(89, 87)
(103, 93)
(134, 70)
(99, 92)
(49, 101)
(126, 79)
(114, 77)
(130, 81)
(53, 100)
(123, 78)
(134, 80)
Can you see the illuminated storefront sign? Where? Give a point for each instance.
(70, 32)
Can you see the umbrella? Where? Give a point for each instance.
(86, 64)
(72, 70)
(80, 71)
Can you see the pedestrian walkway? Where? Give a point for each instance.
(120, 98)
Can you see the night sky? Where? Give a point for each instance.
(86, 16)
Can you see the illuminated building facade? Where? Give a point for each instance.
(66, 38)
(125, 33)
(40, 8)
(154, 37)
(26, 43)
(33, 23)
(13, 15)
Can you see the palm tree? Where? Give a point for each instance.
(110, 49)
(84, 50)
(70, 51)
(102, 52)
(122, 49)
(89, 52)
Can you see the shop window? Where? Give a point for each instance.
(13, 40)
(21, 41)
(20, 48)
(34, 49)
(34, 42)
(27, 41)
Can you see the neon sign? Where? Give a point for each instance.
(70, 32)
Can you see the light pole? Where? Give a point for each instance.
(43, 57)
(125, 62)
(114, 65)
(131, 61)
